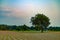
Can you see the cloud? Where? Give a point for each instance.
(28, 9)
(17, 12)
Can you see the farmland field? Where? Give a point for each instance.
(15, 35)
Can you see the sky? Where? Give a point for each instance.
(19, 12)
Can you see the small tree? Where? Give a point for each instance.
(25, 27)
(41, 21)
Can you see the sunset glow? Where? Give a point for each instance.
(20, 11)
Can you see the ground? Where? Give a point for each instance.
(15, 35)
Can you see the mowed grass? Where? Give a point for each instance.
(28, 35)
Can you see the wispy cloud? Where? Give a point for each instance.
(24, 9)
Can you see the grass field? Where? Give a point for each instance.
(14, 35)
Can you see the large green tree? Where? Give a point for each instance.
(40, 21)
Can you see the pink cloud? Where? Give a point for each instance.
(17, 12)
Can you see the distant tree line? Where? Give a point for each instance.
(14, 27)
(54, 28)
(25, 28)
(39, 22)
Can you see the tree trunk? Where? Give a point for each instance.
(41, 29)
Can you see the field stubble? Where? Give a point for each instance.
(14, 35)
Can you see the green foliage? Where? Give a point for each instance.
(14, 27)
(22, 28)
(54, 28)
(40, 21)
(25, 28)
(3, 27)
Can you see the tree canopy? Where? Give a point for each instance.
(40, 20)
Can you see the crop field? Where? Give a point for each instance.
(15, 35)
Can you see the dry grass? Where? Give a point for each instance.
(13, 35)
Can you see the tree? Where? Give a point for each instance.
(24, 27)
(40, 21)
(32, 28)
(3, 27)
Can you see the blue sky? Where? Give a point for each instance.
(19, 12)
